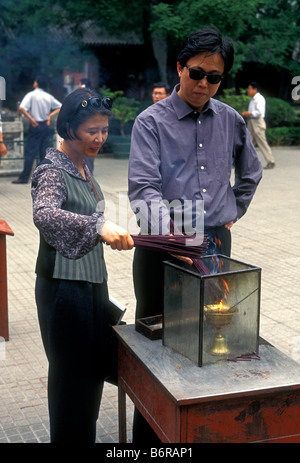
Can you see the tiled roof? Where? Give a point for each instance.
(94, 35)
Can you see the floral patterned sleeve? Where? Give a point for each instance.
(71, 234)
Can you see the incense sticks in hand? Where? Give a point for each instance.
(180, 245)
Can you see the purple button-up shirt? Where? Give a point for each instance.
(174, 156)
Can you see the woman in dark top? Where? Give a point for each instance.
(71, 284)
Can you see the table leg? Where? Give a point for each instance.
(122, 415)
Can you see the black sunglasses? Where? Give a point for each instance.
(197, 74)
(98, 103)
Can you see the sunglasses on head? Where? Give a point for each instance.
(197, 74)
(98, 103)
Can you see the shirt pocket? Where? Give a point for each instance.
(222, 166)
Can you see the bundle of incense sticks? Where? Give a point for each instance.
(175, 244)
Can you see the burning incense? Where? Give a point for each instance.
(174, 244)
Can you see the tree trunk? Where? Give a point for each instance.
(160, 50)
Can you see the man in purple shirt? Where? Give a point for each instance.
(184, 148)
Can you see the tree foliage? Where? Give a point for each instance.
(239, 101)
(263, 31)
(32, 44)
(124, 109)
(45, 34)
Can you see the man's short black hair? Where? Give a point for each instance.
(207, 40)
(254, 85)
(72, 114)
(41, 80)
(161, 85)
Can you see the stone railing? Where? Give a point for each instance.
(13, 136)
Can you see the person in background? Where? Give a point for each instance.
(183, 149)
(84, 83)
(71, 284)
(38, 106)
(160, 91)
(3, 149)
(256, 123)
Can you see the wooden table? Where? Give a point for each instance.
(4, 231)
(254, 401)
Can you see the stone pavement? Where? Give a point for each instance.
(268, 236)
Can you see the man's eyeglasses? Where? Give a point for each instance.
(98, 103)
(197, 74)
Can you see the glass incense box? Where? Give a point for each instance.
(212, 315)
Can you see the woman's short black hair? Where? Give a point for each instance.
(207, 40)
(75, 110)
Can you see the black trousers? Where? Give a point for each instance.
(148, 278)
(37, 143)
(74, 327)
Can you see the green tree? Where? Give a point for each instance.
(274, 33)
(238, 101)
(30, 45)
(124, 109)
(264, 31)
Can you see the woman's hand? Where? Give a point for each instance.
(116, 237)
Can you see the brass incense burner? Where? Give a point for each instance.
(219, 315)
(211, 315)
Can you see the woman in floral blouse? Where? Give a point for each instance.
(71, 285)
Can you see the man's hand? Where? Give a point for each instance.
(185, 259)
(33, 122)
(116, 237)
(246, 113)
(228, 225)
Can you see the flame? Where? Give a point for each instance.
(226, 290)
(218, 242)
(220, 263)
(220, 306)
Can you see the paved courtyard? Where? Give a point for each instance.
(268, 236)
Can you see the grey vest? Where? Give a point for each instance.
(91, 267)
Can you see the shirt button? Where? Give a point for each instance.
(204, 190)
(200, 144)
(202, 167)
(199, 122)
(204, 212)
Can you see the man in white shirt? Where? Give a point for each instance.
(38, 106)
(257, 125)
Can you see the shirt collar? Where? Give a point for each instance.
(61, 160)
(182, 109)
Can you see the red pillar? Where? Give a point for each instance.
(4, 230)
